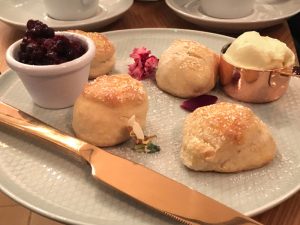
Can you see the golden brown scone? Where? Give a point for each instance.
(104, 59)
(101, 112)
(187, 69)
(225, 137)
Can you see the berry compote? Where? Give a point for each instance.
(40, 46)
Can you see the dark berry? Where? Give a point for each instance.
(40, 46)
(36, 28)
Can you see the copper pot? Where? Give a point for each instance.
(255, 86)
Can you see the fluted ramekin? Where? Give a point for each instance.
(54, 86)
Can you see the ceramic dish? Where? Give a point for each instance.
(264, 15)
(17, 13)
(54, 185)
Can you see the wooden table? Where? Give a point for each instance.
(157, 14)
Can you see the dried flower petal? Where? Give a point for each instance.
(144, 65)
(151, 148)
(142, 143)
(199, 101)
(136, 128)
(140, 53)
(150, 66)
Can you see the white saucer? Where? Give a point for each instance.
(18, 12)
(264, 15)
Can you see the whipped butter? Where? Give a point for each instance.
(252, 51)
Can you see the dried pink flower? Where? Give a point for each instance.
(144, 65)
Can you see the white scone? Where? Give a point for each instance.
(101, 112)
(104, 59)
(225, 137)
(187, 69)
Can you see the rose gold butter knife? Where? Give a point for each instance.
(146, 186)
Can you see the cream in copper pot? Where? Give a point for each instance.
(252, 51)
(251, 68)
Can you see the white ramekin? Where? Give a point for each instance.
(54, 86)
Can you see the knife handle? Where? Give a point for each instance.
(30, 125)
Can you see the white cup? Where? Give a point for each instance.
(71, 9)
(227, 9)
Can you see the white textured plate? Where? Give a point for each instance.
(18, 12)
(48, 182)
(264, 15)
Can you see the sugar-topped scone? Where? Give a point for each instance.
(187, 69)
(101, 112)
(104, 59)
(225, 137)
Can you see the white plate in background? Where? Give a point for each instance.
(18, 12)
(264, 15)
(58, 187)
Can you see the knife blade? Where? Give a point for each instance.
(144, 185)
